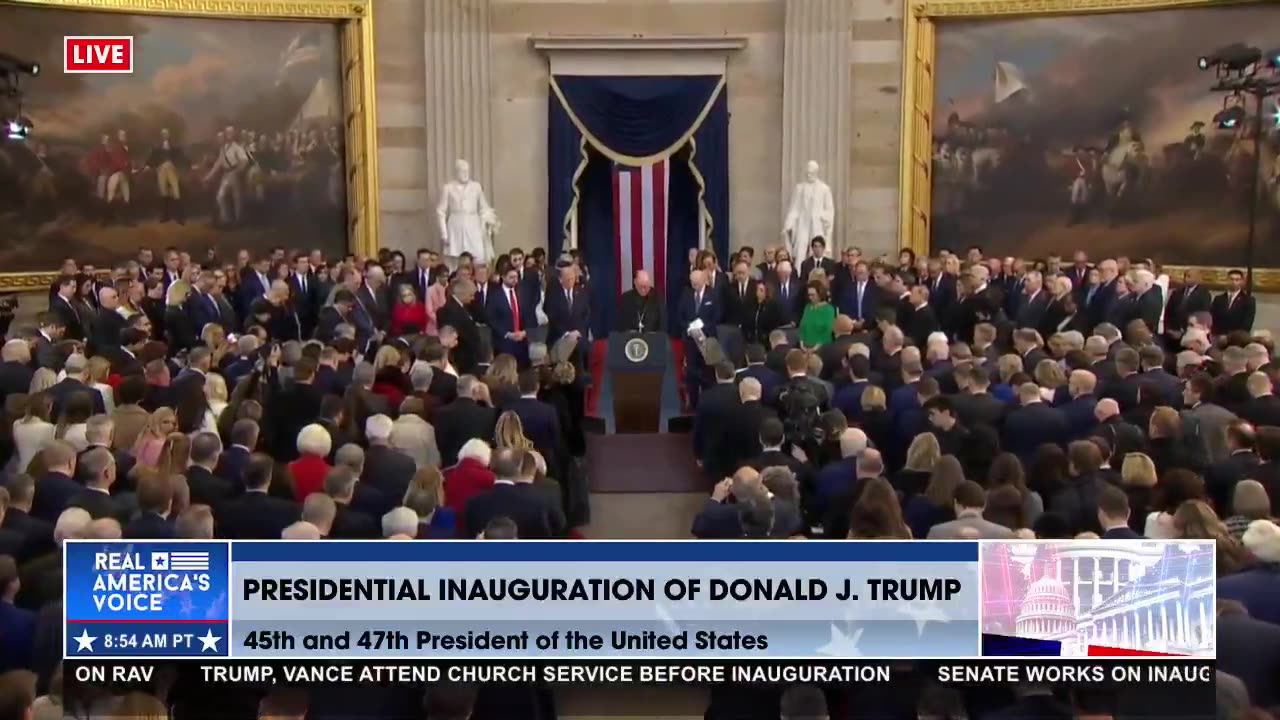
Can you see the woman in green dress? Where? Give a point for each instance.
(818, 319)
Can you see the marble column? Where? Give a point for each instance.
(815, 104)
(458, 97)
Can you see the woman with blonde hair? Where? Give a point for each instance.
(922, 455)
(503, 379)
(33, 430)
(42, 379)
(425, 496)
(1195, 520)
(140, 706)
(937, 503)
(152, 438)
(175, 455)
(1138, 480)
(1050, 377)
(509, 433)
(217, 397)
(387, 356)
(99, 369)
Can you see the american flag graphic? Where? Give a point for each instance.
(640, 221)
(180, 561)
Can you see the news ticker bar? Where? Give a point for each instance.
(676, 600)
(1162, 673)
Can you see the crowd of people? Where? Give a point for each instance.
(302, 397)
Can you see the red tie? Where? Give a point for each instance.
(515, 310)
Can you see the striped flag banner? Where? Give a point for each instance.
(640, 221)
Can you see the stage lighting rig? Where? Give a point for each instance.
(1230, 118)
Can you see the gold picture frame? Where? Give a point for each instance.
(355, 19)
(920, 21)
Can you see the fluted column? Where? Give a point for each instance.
(458, 100)
(815, 106)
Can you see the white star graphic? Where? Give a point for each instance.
(923, 613)
(842, 645)
(209, 641)
(84, 641)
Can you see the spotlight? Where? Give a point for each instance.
(1234, 57)
(1230, 118)
(9, 63)
(18, 128)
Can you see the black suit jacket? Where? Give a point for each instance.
(207, 488)
(712, 430)
(349, 524)
(636, 310)
(791, 305)
(563, 318)
(522, 503)
(541, 425)
(15, 377)
(389, 470)
(827, 264)
(147, 525)
(459, 421)
(54, 493)
(62, 392)
(231, 465)
(1121, 533)
(1030, 426)
(920, 324)
(1183, 302)
(106, 332)
(1261, 411)
(466, 356)
(307, 302)
(98, 504)
(37, 534)
(1220, 479)
(1031, 311)
(738, 305)
(1231, 316)
(256, 516)
(72, 320)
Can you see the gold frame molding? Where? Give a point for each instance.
(355, 18)
(920, 23)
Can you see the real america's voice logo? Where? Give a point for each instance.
(126, 582)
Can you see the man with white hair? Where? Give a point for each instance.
(42, 577)
(76, 380)
(641, 308)
(1146, 301)
(15, 368)
(400, 521)
(744, 436)
(301, 530)
(836, 478)
(471, 475)
(1264, 407)
(1031, 307)
(385, 468)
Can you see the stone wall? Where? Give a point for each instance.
(458, 78)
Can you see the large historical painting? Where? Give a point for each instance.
(1096, 132)
(227, 135)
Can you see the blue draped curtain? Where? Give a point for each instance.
(595, 121)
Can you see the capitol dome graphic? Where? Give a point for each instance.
(1154, 596)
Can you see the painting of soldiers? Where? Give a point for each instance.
(228, 134)
(1075, 131)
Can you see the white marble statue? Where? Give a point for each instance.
(467, 223)
(812, 214)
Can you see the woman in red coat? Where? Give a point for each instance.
(309, 469)
(470, 477)
(408, 316)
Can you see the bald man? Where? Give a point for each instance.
(642, 307)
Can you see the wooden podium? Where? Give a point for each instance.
(637, 368)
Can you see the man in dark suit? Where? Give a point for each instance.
(386, 468)
(254, 282)
(37, 534)
(1099, 307)
(1264, 407)
(63, 305)
(697, 318)
(789, 292)
(75, 382)
(15, 368)
(234, 461)
(421, 276)
(1033, 302)
(304, 293)
(109, 322)
(56, 489)
(510, 497)
(1026, 342)
(743, 426)
(641, 309)
(348, 523)
(293, 408)
(100, 433)
(461, 420)
(739, 296)
(1234, 309)
(454, 314)
(922, 320)
(511, 312)
(756, 368)
(1079, 409)
(206, 487)
(1220, 478)
(256, 515)
(817, 259)
(540, 421)
(1032, 425)
(1078, 273)
(17, 627)
(568, 311)
(99, 472)
(331, 316)
(155, 501)
(201, 306)
(444, 384)
(712, 431)
(1113, 514)
(1190, 298)
(859, 298)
